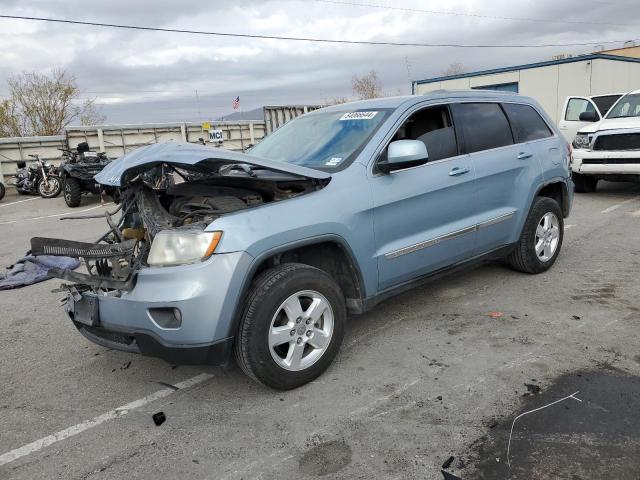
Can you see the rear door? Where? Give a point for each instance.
(506, 161)
(570, 120)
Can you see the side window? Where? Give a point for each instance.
(433, 127)
(526, 123)
(575, 107)
(483, 125)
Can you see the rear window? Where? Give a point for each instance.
(526, 123)
(483, 125)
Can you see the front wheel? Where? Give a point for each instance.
(50, 187)
(541, 238)
(72, 192)
(292, 326)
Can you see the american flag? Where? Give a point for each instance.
(236, 103)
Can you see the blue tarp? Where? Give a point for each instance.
(33, 269)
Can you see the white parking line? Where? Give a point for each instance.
(567, 227)
(110, 415)
(636, 213)
(20, 201)
(55, 215)
(618, 205)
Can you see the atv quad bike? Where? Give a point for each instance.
(77, 171)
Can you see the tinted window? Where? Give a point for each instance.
(434, 128)
(483, 126)
(575, 107)
(526, 123)
(605, 102)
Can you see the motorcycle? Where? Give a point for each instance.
(40, 177)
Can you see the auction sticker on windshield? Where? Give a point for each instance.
(358, 116)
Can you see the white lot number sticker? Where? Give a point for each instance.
(358, 116)
(333, 161)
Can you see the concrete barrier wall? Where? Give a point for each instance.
(116, 140)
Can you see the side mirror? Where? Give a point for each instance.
(21, 164)
(589, 117)
(404, 154)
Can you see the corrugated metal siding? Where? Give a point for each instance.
(277, 115)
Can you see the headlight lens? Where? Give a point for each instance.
(581, 141)
(177, 247)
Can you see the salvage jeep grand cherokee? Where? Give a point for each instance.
(215, 253)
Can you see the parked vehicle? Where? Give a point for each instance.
(40, 177)
(78, 170)
(595, 106)
(609, 148)
(262, 255)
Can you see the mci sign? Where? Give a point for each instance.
(215, 136)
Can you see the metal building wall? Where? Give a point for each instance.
(551, 85)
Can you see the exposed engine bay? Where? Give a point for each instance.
(166, 198)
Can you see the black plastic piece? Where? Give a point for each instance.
(159, 418)
(69, 248)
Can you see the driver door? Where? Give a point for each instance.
(570, 122)
(423, 216)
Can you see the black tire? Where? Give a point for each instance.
(524, 257)
(3, 190)
(55, 185)
(268, 292)
(72, 192)
(584, 183)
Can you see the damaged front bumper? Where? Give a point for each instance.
(182, 314)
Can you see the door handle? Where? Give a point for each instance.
(458, 171)
(524, 155)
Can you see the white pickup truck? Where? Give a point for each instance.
(607, 147)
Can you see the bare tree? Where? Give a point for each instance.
(454, 69)
(44, 104)
(337, 100)
(367, 86)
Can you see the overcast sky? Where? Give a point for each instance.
(153, 76)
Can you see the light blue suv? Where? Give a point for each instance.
(262, 255)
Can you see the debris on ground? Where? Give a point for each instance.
(532, 388)
(495, 314)
(126, 365)
(34, 269)
(576, 317)
(159, 418)
(449, 476)
(448, 462)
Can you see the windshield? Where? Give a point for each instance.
(628, 106)
(324, 141)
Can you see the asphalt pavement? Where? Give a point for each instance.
(426, 375)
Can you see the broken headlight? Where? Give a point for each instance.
(178, 247)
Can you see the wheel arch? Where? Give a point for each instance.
(330, 253)
(557, 190)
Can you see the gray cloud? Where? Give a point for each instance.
(152, 77)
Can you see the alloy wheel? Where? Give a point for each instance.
(301, 330)
(547, 236)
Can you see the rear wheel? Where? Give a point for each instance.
(541, 238)
(72, 192)
(292, 326)
(584, 183)
(50, 187)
